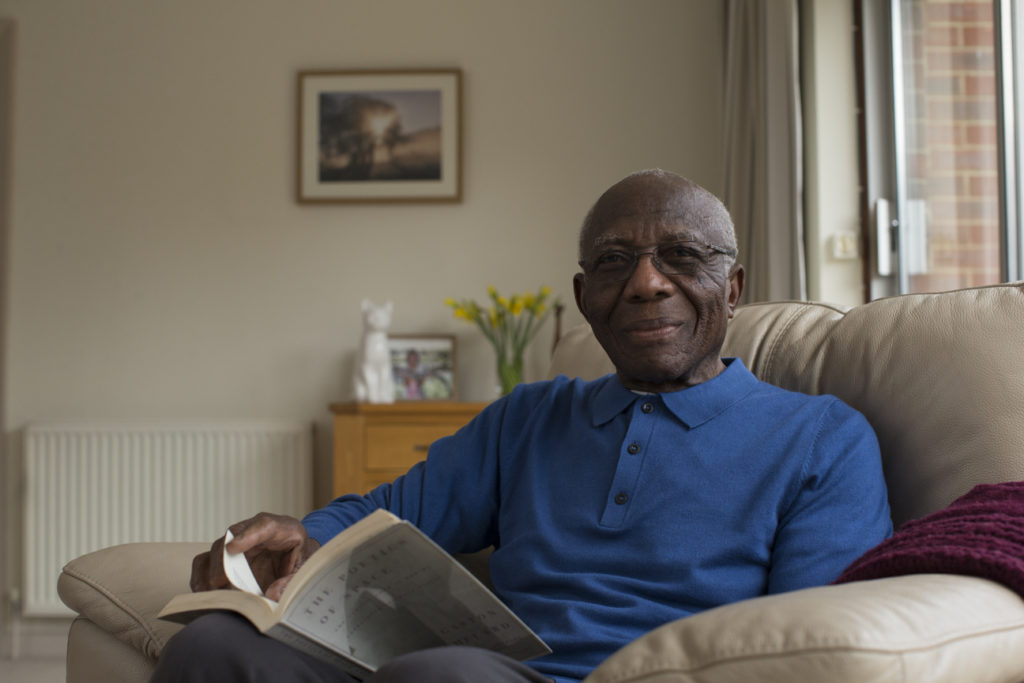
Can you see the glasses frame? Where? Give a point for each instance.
(655, 261)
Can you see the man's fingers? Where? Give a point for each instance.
(196, 581)
(292, 561)
(243, 540)
(275, 589)
(216, 576)
(266, 531)
(203, 578)
(298, 556)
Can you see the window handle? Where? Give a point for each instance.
(885, 237)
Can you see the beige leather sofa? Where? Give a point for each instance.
(939, 376)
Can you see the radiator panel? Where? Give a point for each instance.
(94, 485)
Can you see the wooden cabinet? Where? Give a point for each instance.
(374, 442)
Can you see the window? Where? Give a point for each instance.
(939, 140)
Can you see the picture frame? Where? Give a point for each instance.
(423, 367)
(380, 136)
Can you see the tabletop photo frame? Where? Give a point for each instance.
(423, 367)
(380, 136)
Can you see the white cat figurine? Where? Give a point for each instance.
(373, 380)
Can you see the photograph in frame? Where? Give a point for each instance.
(379, 136)
(423, 367)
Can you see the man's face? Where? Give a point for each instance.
(663, 332)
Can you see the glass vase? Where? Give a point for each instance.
(510, 371)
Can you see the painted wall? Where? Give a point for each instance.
(831, 205)
(159, 266)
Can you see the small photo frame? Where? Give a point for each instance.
(423, 367)
(380, 136)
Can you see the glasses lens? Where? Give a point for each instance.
(681, 257)
(614, 265)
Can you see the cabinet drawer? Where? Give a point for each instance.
(402, 445)
(376, 442)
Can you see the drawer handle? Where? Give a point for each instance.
(419, 447)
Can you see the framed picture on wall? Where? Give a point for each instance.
(380, 136)
(423, 367)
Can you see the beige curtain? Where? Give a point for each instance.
(763, 146)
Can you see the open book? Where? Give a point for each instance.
(377, 590)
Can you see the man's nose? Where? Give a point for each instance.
(647, 280)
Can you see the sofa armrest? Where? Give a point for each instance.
(924, 627)
(95, 656)
(121, 589)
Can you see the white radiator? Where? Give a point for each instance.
(93, 485)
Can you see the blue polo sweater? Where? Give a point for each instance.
(612, 513)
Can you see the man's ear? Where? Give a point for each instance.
(735, 287)
(578, 284)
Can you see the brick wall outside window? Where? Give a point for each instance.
(950, 104)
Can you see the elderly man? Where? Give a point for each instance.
(678, 484)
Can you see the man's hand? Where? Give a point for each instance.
(275, 546)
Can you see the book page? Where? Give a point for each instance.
(400, 592)
(358, 598)
(237, 569)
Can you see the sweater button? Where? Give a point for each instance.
(621, 498)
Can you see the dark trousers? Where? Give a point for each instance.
(226, 647)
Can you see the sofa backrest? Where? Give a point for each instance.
(939, 376)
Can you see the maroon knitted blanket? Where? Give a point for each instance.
(979, 534)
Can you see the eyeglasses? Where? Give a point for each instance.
(676, 258)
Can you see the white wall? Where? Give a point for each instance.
(159, 265)
(830, 139)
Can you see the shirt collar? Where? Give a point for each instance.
(693, 406)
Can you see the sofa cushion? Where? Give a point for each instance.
(122, 588)
(927, 627)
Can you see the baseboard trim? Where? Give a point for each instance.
(35, 639)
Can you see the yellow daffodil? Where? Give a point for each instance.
(510, 324)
